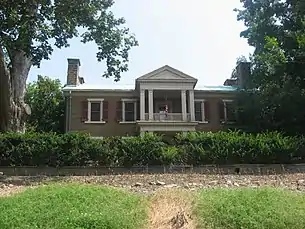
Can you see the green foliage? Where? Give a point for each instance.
(238, 147)
(276, 29)
(78, 149)
(47, 103)
(73, 206)
(251, 209)
(34, 26)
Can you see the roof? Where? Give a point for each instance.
(166, 73)
(131, 87)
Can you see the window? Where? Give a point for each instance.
(198, 111)
(227, 111)
(95, 114)
(230, 111)
(95, 110)
(202, 111)
(129, 110)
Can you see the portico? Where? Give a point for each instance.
(158, 116)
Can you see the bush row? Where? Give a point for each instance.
(195, 148)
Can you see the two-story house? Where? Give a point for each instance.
(165, 100)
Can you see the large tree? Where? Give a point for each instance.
(276, 29)
(46, 99)
(30, 29)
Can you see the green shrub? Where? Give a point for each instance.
(238, 147)
(194, 148)
(145, 150)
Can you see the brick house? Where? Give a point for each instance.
(165, 100)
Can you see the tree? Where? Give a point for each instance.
(30, 29)
(277, 31)
(47, 103)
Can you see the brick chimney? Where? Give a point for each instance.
(73, 78)
(241, 75)
(243, 72)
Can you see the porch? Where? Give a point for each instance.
(167, 106)
(166, 101)
(167, 111)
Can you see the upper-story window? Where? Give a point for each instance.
(202, 110)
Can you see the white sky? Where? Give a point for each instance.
(197, 37)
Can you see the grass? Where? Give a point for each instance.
(83, 206)
(71, 206)
(250, 209)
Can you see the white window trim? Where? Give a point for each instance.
(225, 110)
(204, 121)
(101, 100)
(123, 110)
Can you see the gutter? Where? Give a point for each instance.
(70, 109)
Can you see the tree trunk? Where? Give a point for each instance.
(13, 110)
(5, 92)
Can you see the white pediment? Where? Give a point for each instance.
(166, 73)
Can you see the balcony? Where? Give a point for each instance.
(169, 117)
(167, 122)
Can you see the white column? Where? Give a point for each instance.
(203, 110)
(192, 105)
(142, 104)
(183, 105)
(123, 111)
(89, 111)
(150, 105)
(135, 110)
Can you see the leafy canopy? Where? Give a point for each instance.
(276, 29)
(36, 26)
(47, 103)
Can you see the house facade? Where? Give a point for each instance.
(165, 100)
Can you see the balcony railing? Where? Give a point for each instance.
(167, 117)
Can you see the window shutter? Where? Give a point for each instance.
(221, 111)
(84, 111)
(138, 110)
(207, 111)
(118, 111)
(105, 110)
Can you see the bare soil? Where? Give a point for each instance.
(171, 197)
(149, 183)
(171, 208)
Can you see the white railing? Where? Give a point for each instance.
(167, 117)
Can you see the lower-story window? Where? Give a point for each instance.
(129, 110)
(228, 111)
(94, 110)
(95, 113)
(202, 111)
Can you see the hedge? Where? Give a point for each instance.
(195, 148)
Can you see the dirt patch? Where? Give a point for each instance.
(171, 209)
(7, 190)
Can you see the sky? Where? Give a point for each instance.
(198, 37)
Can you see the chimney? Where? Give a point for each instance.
(240, 75)
(73, 72)
(243, 72)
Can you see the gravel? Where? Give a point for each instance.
(148, 183)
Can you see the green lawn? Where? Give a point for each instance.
(73, 206)
(250, 209)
